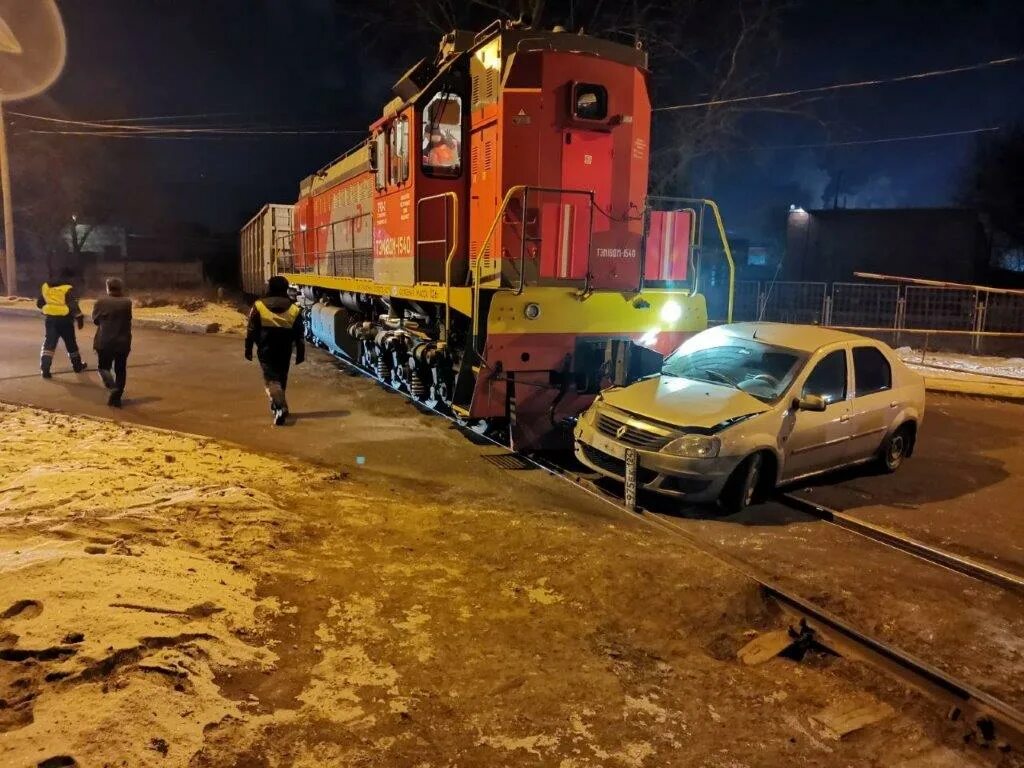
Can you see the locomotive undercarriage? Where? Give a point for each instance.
(405, 344)
(401, 343)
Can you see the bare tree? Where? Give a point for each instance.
(56, 183)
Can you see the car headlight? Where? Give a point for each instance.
(694, 447)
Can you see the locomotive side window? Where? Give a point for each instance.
(381, 160)
(589, 102)
(442, 136)
(400, 151)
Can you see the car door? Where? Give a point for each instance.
(817, 441)
(874, 405)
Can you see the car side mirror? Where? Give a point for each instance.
(809, 403)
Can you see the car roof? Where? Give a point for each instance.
(806, 338)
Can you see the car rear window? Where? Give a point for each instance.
(871, 371)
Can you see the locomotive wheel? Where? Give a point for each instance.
(399, 377)
(439, 395)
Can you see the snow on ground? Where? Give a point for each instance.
(227, 317)
(113, 619)
(961, 366)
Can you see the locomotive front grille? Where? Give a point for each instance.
(630, 434)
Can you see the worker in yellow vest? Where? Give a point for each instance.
(61, 313)
(275, 326)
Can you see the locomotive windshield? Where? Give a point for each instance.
(442, 135)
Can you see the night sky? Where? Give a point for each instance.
(298, 63)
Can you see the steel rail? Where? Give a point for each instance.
(997, 722)
(890, 538)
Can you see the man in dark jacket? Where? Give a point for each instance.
(60, 309)
(113, 317)
(275, 326)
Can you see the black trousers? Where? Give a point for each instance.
(119, 362)
(59, 329)
(275, 376)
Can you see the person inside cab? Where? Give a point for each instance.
(440, 153)
(61, 313)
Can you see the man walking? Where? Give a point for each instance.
(275, 326)
(113, 317)
(60, 315)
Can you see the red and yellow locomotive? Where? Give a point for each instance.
(491, 247)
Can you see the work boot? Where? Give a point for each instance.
(108, 378)
(115, 399)
(46, 373)
(279, 417)
(79, 366)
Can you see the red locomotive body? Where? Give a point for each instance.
(491, 246)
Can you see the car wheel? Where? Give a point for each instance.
(741, 490)
(895, 449)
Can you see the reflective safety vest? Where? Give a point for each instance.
(56, 300)
(270, 319)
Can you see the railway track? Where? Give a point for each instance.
(991, 721)
(885, 536)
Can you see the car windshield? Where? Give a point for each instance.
(759, 369)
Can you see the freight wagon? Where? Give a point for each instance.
(257, 245)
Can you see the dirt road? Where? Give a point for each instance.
(425, 607)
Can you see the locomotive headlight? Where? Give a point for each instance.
(671, 312)
(694, 447)
(532, 311)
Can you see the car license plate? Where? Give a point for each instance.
(630, 479)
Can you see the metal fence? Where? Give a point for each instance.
(966, 319)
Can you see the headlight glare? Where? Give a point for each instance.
(694, 447)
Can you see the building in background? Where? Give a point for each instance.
(830, 245)
(180, 256)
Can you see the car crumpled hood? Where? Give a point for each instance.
(684, 402)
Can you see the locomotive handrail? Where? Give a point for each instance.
(721, 232)
(512, 192)
(352, 251)
(449, 257)
(590, 232)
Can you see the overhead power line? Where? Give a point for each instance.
(197, 116)
(847, 86)
(190, 134)
(887, 140)
(120, 130)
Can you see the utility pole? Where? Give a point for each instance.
(32, 51)
(7, 241)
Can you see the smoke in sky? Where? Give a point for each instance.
(846, 185)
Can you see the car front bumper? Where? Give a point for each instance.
(697, 480)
